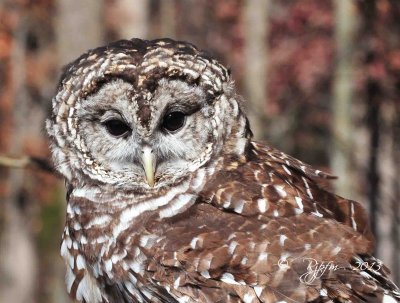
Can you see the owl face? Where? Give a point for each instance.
(143, 115)
(152, 142)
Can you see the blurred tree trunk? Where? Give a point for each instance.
(380, 41)
(394, 44)
(168, 18)
(131, 19)
(79, 27)
(18, 262)
(193, 27)
(342, 126)
(393, 181)
(255, 53)
(373, 121)
(395, 201)
(387, 169)
(388, 218)
(374, 96)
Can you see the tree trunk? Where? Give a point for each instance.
(256, 52)
(79, 27)
(342, 128)
(131, 19)
(168, 18)
(18, 262)
(395, 202)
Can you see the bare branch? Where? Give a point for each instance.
(14, 162)
(25, 162)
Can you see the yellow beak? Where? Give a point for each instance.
(149, 165)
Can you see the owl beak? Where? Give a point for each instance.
(149, 165)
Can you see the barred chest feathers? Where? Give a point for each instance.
(106, 240)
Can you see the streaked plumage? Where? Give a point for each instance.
(228, 219)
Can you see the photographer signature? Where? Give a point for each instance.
(316, 269)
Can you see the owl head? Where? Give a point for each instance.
(141, 115)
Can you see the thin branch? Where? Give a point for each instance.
(14, 162)
(27, 161)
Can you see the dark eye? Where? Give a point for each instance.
(116, 127)
(173, 121)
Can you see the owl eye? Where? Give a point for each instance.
(116, 128)
(173, 121)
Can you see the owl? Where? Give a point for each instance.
(170, 200)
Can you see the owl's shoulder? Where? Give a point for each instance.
(278, 160)
(268, 183)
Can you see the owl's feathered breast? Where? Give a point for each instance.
(248, 235)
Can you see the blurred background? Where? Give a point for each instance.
(321, 80)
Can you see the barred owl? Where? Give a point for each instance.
(170, 199)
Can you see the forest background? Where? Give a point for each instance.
(321, 80)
